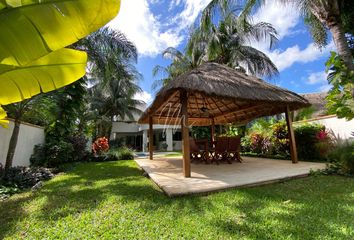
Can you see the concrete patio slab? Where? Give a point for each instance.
(167, 174)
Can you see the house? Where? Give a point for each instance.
(134, 135)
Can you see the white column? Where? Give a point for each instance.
(145, 140)
(169, 139)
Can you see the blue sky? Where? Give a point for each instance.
(154, 25)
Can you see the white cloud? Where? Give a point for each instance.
(319, 78)
(325, 88)
(143, 96)
(150, 33)
(192, 9)
(283, 17)
(285, 59)
(143, 28)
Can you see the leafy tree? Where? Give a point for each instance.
(228, 42)
(181, 63)
(36, 60)
(114, 101)
(340, 98)
(319, 15)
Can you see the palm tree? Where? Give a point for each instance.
(112, 59)
(226, 43)
(229, 43)
(319, 15)
(181, 63)
(109, 53)
(115, 100)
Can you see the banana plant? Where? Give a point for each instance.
(33, 37)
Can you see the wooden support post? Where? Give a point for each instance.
(212, 130)
(151, 139)
(185, 134)
(291, 135)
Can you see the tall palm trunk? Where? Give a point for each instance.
(342, 45)
(12, 145)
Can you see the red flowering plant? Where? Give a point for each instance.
(100, 146)
(324, 142)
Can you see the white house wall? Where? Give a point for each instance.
(29, 136)
(340, 127)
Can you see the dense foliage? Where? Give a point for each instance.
(340, 99)
(341, 159)
(226, 41)
(270, 139)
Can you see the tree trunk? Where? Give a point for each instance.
(12, 145)
(341, 44)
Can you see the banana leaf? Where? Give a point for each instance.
(3, 122)
(30, 29)
(53, 71)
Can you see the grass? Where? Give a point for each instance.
(112, 200)
(174, 154)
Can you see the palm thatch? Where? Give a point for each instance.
(220, 94)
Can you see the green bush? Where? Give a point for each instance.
(52, 154)
(341, 159)
(280, 140)
(306, 141)
(122, 153)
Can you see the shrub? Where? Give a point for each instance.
(280, 140)
(260, 144)
(324, 143)
(341, 159)
(79, 144)
(306, 140)
(24, 177)
(100, 146)
(52, 154)
(246, 144)
(125, 154)
(116, 143)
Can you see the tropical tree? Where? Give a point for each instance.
(110, 54)
(181, 63)
(228, 42)
(32, 54)
(112, 101)
(33, 35)
(319, 15)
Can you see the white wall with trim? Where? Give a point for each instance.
(29, 136)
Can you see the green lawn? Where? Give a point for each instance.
(114, 201)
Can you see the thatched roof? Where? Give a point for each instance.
(220, 93)
(318, 102)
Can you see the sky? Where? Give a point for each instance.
(154, 25)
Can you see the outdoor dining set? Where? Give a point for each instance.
(223, 149)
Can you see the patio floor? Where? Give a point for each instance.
(167, 174)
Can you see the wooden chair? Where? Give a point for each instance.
(196, 152)
(234, 149)
(220, 151)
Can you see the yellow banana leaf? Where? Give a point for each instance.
(30, 29)
(53, 71)
(4, 123)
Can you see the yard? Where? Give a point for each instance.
(113, 200)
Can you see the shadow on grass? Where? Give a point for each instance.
(300, 209)
(84, 188)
